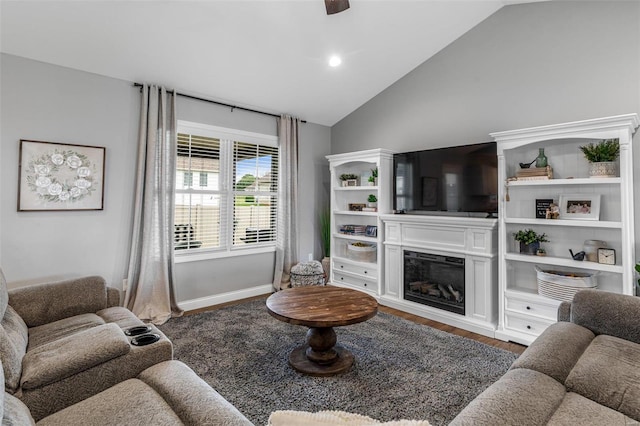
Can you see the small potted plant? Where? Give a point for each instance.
(373, 179)
(602, 157)
(372, 201)
(638, 271)
(529, 240)
(349, 179)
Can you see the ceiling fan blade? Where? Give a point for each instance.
(336, 6)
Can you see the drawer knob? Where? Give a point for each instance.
(365, 284)
(341, 266)
(365, 272)
(341, 278)
(528, 308)
(528, 327)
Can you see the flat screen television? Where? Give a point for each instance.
(457, 180)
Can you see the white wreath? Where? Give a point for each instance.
(61, 176)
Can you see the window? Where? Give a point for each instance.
(233, 206)
(187, 179)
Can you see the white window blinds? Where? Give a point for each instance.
(226, 190)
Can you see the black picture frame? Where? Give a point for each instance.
(542, 205)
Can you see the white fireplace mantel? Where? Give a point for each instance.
(474, 239)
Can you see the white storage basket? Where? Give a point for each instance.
(362, 252)
(562, 285)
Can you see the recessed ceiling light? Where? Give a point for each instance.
(334, 61)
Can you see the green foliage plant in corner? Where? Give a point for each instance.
(529, 236)
(638, 271)
(372, 198)
(604, 151)
(325, 232)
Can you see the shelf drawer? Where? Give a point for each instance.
(536, 308)
(526, 324)
(366, 271)
(361, 282)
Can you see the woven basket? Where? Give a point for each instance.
(307, 273)
(561, 285)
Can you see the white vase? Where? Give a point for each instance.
(603, 169)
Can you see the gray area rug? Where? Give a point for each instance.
(402, 369)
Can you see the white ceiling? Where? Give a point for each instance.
(266, 54)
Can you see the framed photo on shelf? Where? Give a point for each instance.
(543, 205)
(59, 176)
(580, 206)
(356, 207)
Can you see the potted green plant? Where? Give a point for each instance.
(372, 201)
(638, 271)
(529, 240)
(602, 157)
(373, 179)
(349, 179)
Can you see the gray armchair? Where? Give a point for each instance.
(63, 342)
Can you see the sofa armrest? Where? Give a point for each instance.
(607, 313)
(44, 303)
(564, 312)
(72, 354)
(190, 397)
(113, 297)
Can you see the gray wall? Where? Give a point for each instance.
(526, 65)
(50, 103)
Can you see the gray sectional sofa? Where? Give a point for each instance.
(583, 370)
(66, 359)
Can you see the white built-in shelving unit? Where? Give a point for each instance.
(523, 313)
(345, 270)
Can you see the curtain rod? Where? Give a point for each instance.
(222, 103)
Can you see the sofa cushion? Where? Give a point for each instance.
(72, 354)
(4, 294)
(46, 333)
(589, 307)
(183, 390)
(72, 297)
(121, 316)
(608, 373)
(521, 396)
(13, 345)
(15, 412)
(578, 410)
(556, 350)
(131, 402)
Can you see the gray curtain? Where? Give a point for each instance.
(150, 292)
(287, 238)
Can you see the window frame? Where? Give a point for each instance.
(226, 191)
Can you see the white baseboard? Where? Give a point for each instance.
(216, 299)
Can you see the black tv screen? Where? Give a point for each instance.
(453, 180)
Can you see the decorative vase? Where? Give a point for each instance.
(603, 169)
(326, 267)
(541, 159)
(529, 248)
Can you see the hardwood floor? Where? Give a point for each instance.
(508, 346)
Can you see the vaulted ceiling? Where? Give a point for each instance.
(266, 54)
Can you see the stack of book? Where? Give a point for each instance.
(535, 173)
(353, 229)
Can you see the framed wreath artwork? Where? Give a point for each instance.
(57, 176)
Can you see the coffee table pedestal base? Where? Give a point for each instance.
(299, 361)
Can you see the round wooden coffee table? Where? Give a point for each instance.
(321, 308)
